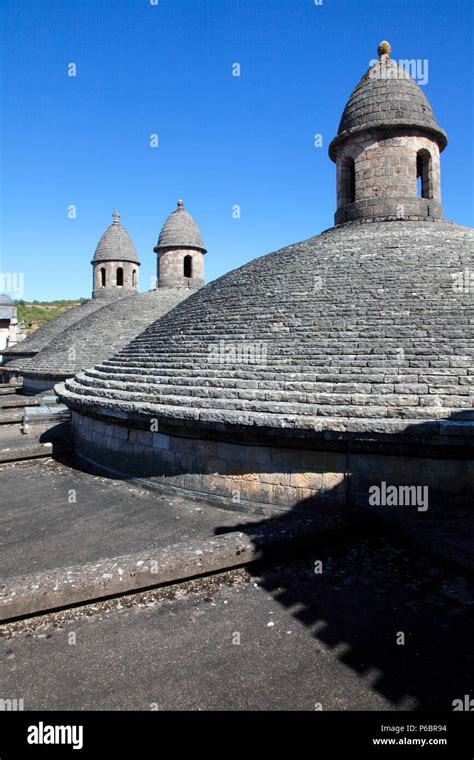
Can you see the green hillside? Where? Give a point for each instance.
(37, 313)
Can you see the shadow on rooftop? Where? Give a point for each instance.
(370, 590)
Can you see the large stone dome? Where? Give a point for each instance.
(312, 373)
(387, 97)
(180, 231)
(361, 327)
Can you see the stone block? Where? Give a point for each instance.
(311, 480)
(160, 441)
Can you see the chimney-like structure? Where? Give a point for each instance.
(180, 250)
(115, 263)
(387, 149)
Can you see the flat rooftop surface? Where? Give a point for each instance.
(274, 638)
(55, 515)
(12, 437)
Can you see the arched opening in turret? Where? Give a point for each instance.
(188, 266)
(119, 280)
(134, 278)
(352, 181)
(102, 277)
(347, 182)
(423, 174)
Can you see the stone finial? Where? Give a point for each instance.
(180, 203)
(116, 217)
(384, 48)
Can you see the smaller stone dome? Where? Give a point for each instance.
(387, 96)
(6, 300)
(115, 244)
(180, 231)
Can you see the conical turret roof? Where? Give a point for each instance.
(180, 231)
(115, 244)
(386, 96)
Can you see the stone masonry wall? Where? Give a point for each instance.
(386, 178)
(263, 475)
(33, 385)
(171, 268)
(111, 277)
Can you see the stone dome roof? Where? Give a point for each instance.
(6, 300)
(99, 334)
(180, 231)
(364, 327)
(386, 96)
(45, 334)
(115, 244)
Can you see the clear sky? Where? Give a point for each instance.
(223, 140)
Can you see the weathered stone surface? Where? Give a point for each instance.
(114, 250)
(28, 594)
(399, 278)
(40, 338)
(387, 138)
(385, 97)
(355, 343)
(250, 477)
(95, 337)
(115, 244)
(115, 263)
(180, 231)
(180, 250)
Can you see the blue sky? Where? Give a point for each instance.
(223, 140)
